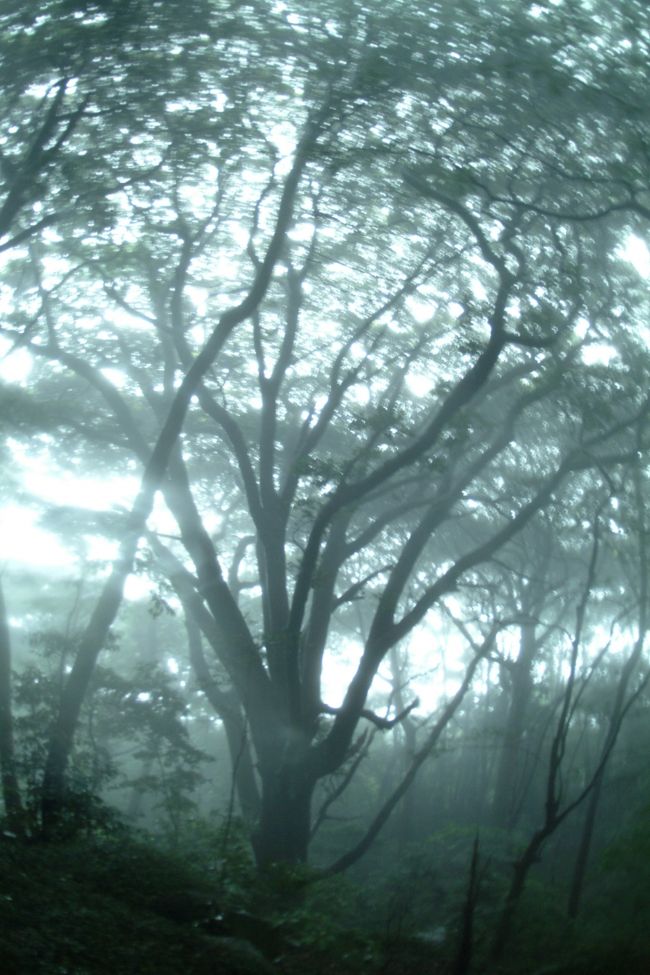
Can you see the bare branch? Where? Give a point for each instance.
(384, 724)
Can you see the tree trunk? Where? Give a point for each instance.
(463, 959)
(518, 883)
(10, 788)
(241, 761)
(226, 705)
(588, 826)
(53, 795)
(619, 708)
(134, 807)
(407, 750)
(504, 804)
(284, 830)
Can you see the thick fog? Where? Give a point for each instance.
(324, 370)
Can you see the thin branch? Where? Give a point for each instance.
(419, 758)
(383, 724)
(360, 751)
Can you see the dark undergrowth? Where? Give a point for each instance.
(121, 904)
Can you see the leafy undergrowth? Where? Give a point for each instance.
(120, 905)
(90, 907)
(115, 905)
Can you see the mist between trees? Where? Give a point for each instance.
(348, 290)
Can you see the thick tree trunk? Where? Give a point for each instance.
(284, 830)
(504, 804)
(10, 788)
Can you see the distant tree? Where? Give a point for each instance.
(557, 805)
(630, 683)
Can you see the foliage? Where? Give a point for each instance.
(617, 913)
(63, 903)
(146, 711)
(89, 907)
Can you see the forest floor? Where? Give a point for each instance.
(89, 908)
(94, 907)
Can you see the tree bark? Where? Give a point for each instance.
(504, 803)
(284, 828)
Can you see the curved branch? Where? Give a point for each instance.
(419, 758)
(460, 394)
(384, 724)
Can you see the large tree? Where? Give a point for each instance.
(347, 307)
